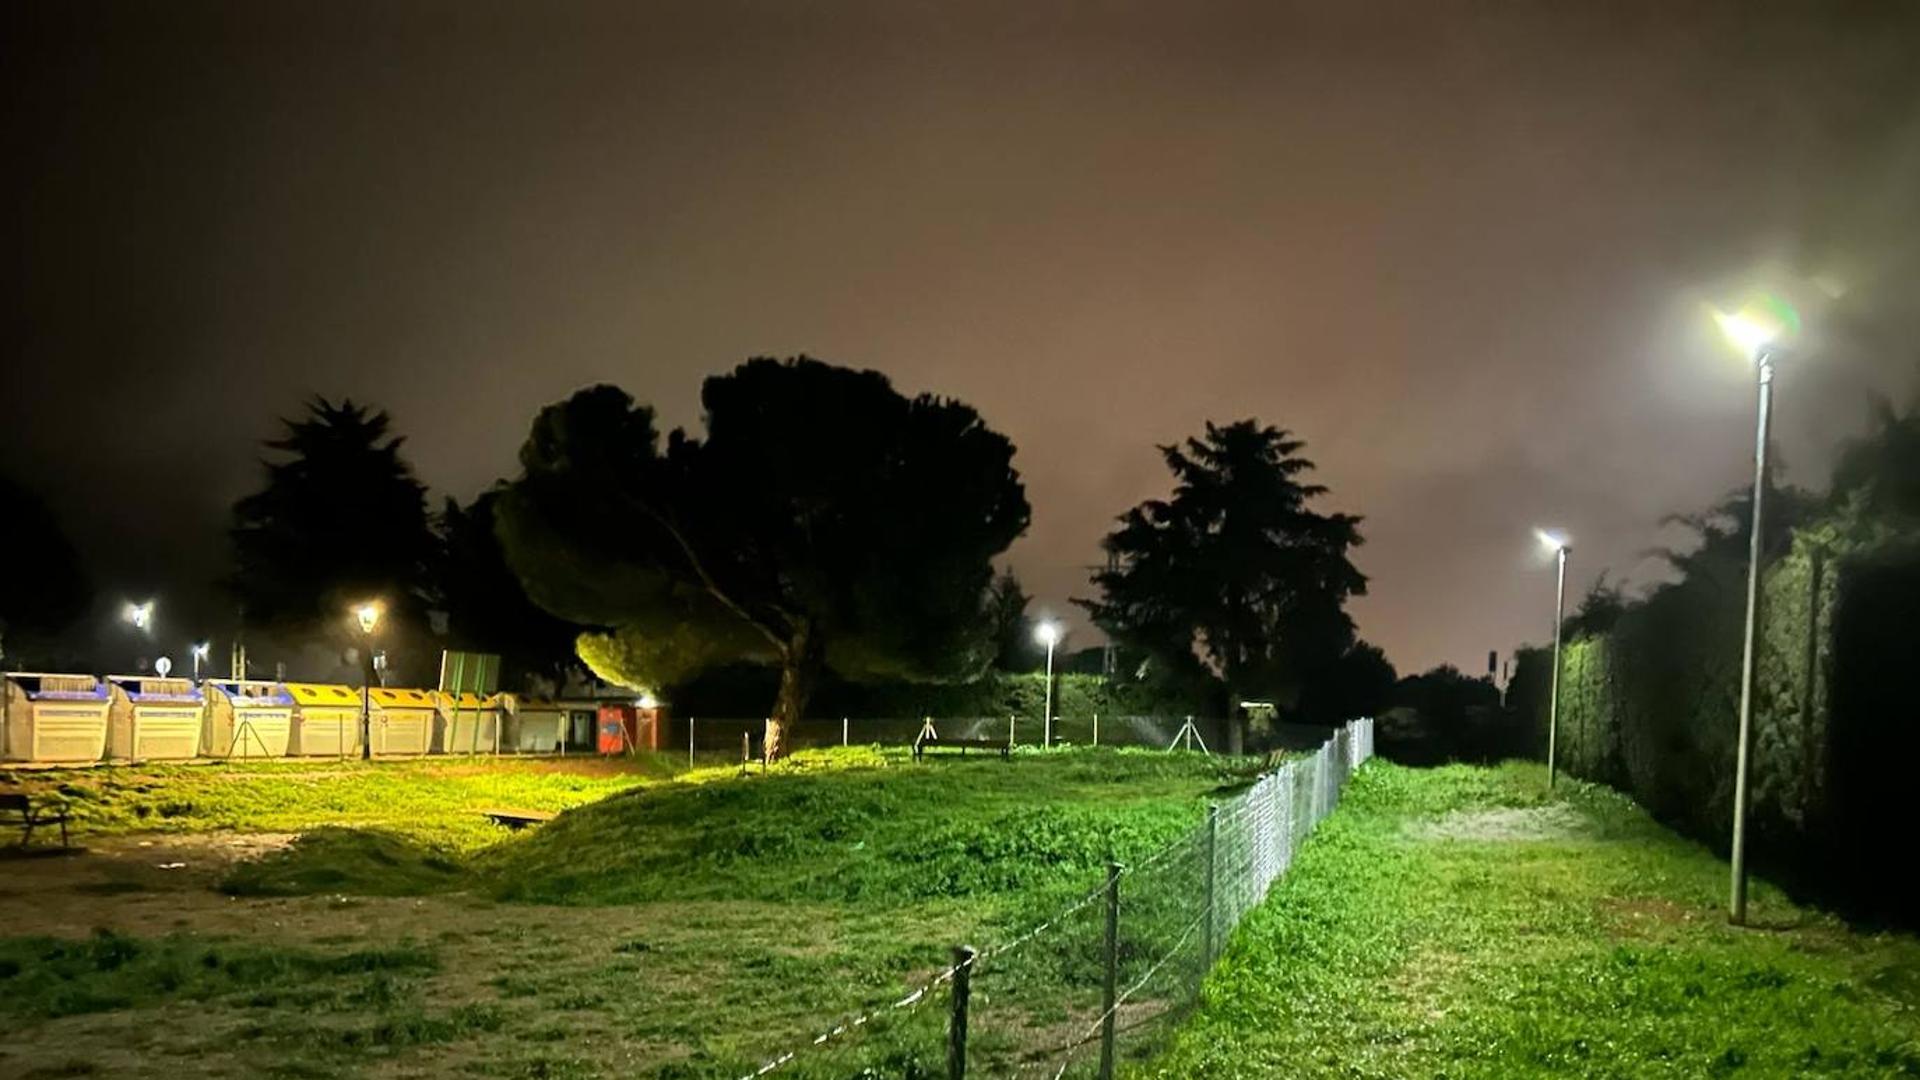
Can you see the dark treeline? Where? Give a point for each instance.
(825, 545)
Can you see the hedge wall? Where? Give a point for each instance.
(1652, 706)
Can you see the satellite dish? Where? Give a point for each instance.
(163, 665)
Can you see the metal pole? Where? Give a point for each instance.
(957, 1020)
(1213, 844)
(689, 742)
(1553, 698)
(1009, 732)
(1096, 729)
(1737, 903)
(366, 701)
(843, 731)
(1046, 726)
(1110, 984)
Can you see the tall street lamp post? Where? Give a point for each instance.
(1048, 634)
(368, 615)
(200, 652)
(1756, 335)
(1556, 543)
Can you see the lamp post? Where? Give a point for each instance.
(1557, 543)
(201, 651)
(1754, 333)
(1048, 634)
(368, 615)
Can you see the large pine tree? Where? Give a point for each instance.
(1235, 574)
(341, 519)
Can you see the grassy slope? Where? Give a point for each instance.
(754, 911)
(1477, 949)
(888, 831)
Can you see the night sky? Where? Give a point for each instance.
(1463, 249)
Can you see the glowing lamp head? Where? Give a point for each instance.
(1758, 328)
(369, 616)
(648, 701)
(140, 615)
(203, 649)
(1551, 539)
(1047, 633)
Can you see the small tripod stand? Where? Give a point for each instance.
(1190, 735)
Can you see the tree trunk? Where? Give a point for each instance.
(800, 664)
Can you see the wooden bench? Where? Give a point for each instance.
(18, 810)
(517, 819)
(923, 744)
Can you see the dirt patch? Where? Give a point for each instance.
(1551, 822)
(1646, 916)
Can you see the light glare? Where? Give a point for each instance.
(1047, 633)
(1552, 540)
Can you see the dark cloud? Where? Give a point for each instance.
(1462, 249)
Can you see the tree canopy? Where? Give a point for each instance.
(46, 589)
(1235, 572)
(825, 521)
(487, 609)
(340, 519)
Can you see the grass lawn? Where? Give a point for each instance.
(1458, 923)
(690, 928)
(431, 800)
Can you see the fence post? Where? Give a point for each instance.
(843, 732)
(1096, 729)
(689, 742)
(1110, 986)
(1009, 732)
(957, 1021)
(1213, 842)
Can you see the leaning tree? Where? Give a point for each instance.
(825, 521)
(1236, 573)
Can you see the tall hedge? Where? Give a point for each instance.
(1652, 706)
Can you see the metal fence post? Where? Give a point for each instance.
(689, 742)
(843, 731)
(957, 1021)
(1213, 842)
(1096, 729)
(1110, 985)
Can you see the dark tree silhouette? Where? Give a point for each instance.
(1359, 683)
(1234, 568)
(340, 519)
(1014, 648)
(825, 521)
(46, 590)
(1880, 471)
(487, 608)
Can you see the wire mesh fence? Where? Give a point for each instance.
(1101, 980)
(718, 739)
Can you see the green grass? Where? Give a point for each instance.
(1458, 922)
(353, 862)
(752, 913)
(1454, 922)
(434, 800)
(49, 977)
(862, 828)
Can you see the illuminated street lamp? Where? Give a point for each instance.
(1756, 332)
(1048, 634)
(1556, 543)
(201, 651)
(139, 615)
(368, 615)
